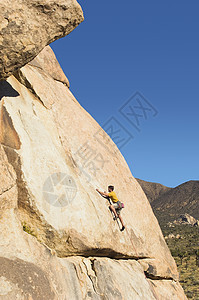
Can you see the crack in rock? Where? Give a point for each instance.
(24, 81)
(93, 279)
(8, 189)
(156, 277)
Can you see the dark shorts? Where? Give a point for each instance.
(117, 208)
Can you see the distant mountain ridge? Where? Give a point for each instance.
(170, 203)
(152, 189)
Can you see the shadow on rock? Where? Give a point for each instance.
(6, 90)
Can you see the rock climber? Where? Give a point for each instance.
(116, 207)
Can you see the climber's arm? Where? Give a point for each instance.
(102, 193)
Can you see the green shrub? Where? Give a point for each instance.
(27, 229)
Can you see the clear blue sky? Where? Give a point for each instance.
(151, 47)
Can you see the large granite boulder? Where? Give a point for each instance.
(27, 26)
(58, 239)
(186, 219)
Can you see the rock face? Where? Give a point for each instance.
(57, 236)
(27, 26)
(46, 60)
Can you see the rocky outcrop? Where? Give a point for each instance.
(47, 125)
(26, 27)
(56, 231)
(186, 219)
(173, 236)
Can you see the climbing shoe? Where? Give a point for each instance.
(123, 227)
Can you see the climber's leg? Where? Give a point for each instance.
(111, 207)
(122, 222)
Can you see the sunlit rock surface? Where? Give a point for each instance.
(56, 233)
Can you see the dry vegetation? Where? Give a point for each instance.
(185, 251)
